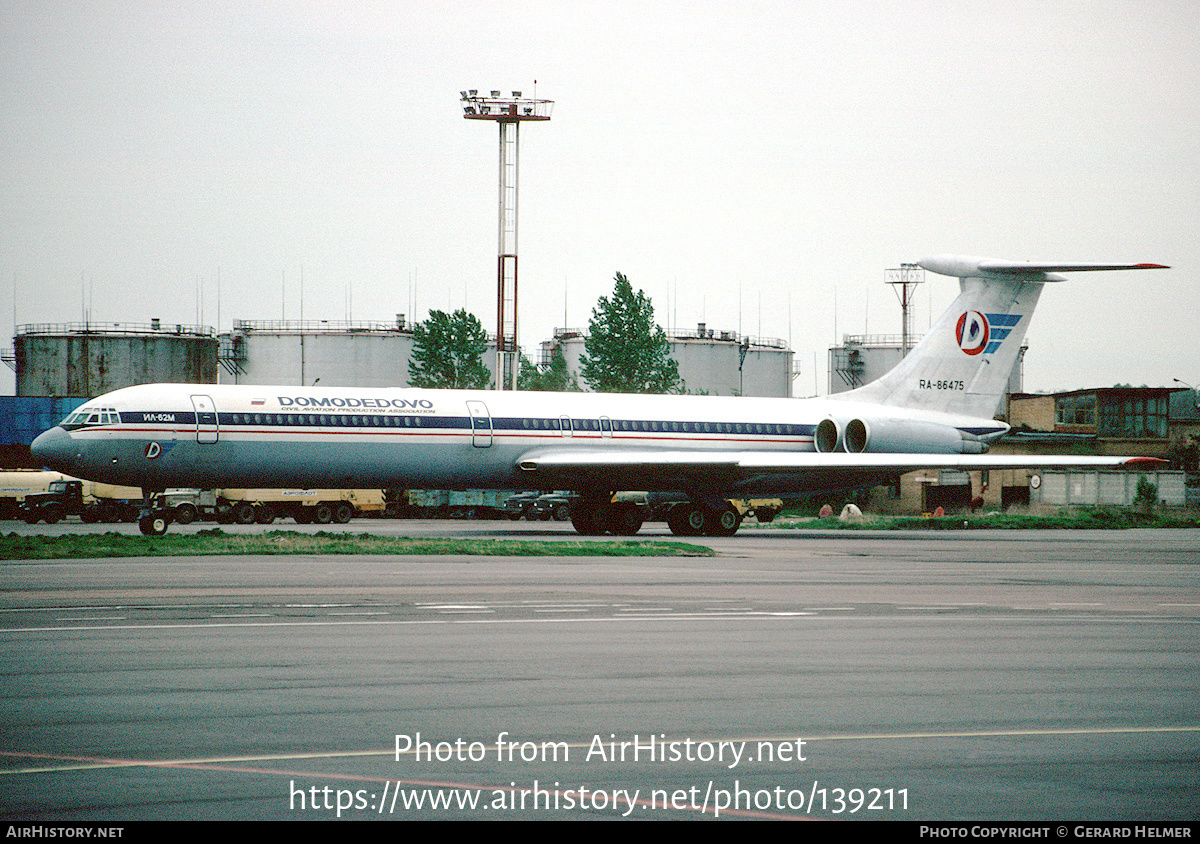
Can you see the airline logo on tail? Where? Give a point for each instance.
(983, 333)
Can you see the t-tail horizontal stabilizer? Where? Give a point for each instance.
(961, 266)
(963, 364)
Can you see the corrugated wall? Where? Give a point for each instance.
(1107, 488)
(22, 418)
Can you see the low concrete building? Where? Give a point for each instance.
(1106, 489)
(1133, 421)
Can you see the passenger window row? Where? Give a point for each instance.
(104, 416)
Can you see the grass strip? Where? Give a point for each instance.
(216, 541)
(1100, 518)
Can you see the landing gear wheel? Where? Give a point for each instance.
(154, 525)
(585, 518)
(624, 519)
(722, 523)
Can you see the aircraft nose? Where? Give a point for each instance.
(54, 449)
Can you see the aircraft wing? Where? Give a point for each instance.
(771, 470)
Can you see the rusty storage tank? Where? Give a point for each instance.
(88, 359)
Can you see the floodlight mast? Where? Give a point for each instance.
(509, 113)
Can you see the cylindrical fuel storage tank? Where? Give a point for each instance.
(336, 354)
(88, 359)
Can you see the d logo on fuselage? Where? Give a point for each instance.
(153, 449)
(972, 332)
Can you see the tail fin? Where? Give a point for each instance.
(963, 364)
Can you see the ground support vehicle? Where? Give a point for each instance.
(688, 519)
(519, 504)
(457, 504)
(552, 505)
(108, 503)
(70, 497)
(264, 506)
(63, 498)
(51, 497)
(16, 484)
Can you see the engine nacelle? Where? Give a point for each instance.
(907, 436)
(828, 436)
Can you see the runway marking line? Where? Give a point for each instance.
(224, 766)
(444, 617)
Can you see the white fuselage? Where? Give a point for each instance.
(167, 435)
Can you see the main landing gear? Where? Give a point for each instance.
(596, 519)
(695, 519)
(690, 518)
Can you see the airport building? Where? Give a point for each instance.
(717, 363)
(1183, 429)
(1133, 421)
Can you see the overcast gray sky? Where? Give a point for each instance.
(747, 164)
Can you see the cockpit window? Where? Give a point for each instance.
(90, 416)
(75, 420)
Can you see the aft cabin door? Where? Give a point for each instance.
(206, 419)
(481, 424)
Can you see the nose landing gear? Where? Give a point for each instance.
(154, 519)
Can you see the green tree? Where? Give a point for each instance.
(1146, 495)
(555, 378)
(448, 352)
(626, 351)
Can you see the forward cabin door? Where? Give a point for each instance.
(481, 424)
(206, 419)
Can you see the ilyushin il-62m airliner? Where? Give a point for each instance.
(933, 410)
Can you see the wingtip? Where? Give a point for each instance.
(1134, 462)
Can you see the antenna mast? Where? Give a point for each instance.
(904, 280)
